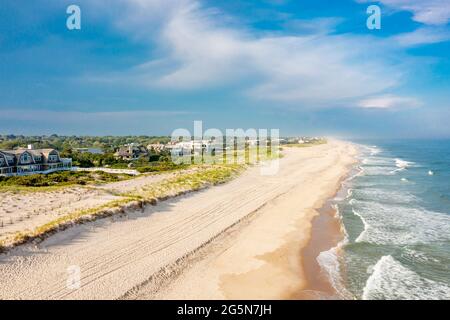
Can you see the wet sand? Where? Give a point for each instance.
(325, 234)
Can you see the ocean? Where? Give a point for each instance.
(395, 214)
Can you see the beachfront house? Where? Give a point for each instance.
(196, 147)
(130, 152)
(27, 161)
(156, 147)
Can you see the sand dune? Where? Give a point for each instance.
(266, 220)
(24, 211)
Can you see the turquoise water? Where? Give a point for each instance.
(396, 215)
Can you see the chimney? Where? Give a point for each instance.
(30, 147)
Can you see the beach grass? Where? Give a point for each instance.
(181, 184)
(59, 179)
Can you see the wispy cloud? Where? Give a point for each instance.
(313, 26)
(198, 51)
(388, 102)
(423, 36)
(431, 12)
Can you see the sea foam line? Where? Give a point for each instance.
(391, 280)
(360, 238)
(330, 262)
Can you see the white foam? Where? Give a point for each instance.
(357, 174)
(418, 256)
(379, 171)
(374, 150)
(402, 164)
(349, 193)
(340, 198)
(385, 195)
(361, 236)
(391, 280)
(371, 161)
(330, 264)
(400, 225)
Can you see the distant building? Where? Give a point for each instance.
(156, 147)
(196, 147)
(27, 161)
(131, 152)
(89, 150)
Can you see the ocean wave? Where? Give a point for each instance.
(377, 161)
(402, 165)
(400, 225)
(414, 257)
(358, 171)
(379, 171)
(384, 196)
(362, 235)
(391, 280)
(330, 264)
(330, 261)
(341, 197)
(369, 150)
(374, 150)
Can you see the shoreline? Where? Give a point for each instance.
(327, 234)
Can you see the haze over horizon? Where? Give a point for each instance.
(141, 67)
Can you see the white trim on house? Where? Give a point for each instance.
(32, 161)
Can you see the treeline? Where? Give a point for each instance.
(89, 160)
(67, 146)
(107, 143)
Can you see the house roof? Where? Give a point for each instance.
(130, 150)
(7, 152)
(32, 151)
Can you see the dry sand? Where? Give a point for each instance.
(250, 232)
(24, 211)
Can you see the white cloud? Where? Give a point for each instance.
(388, 102)
(423, 36)
(432, 12)
(197, 50)
(313, 26)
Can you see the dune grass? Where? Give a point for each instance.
(183, 183)
(56, 180)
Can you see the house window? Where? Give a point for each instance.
(25, 157)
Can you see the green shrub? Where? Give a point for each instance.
(160, 167)
(62, 178)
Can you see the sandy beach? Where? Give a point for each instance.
(25, 211)
(239, 240)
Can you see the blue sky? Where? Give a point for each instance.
(151, 66)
